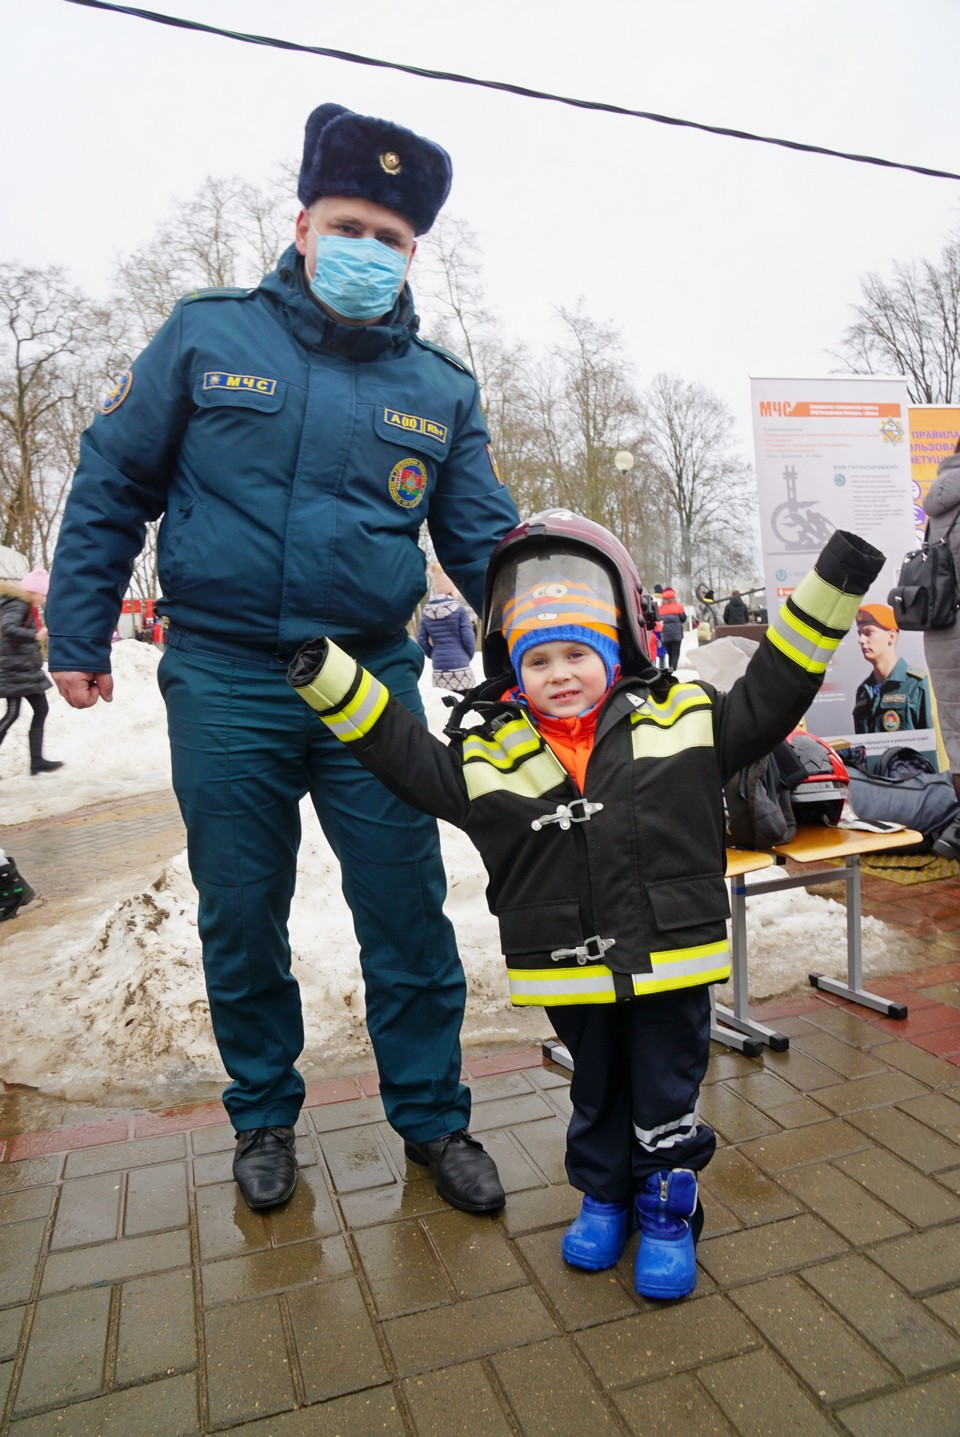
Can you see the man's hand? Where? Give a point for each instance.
(81, 691)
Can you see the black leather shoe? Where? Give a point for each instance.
(464, 1174)
(265, 1167)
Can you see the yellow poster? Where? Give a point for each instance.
(934, 431)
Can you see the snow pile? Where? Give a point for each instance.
(123, 1005)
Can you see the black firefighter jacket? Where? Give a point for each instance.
(617, 892)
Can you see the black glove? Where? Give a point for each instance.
(849, 562)
(307, 662)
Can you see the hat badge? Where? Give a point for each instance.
(390, 162)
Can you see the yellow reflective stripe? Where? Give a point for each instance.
(357, 718)
(511, 743)
(680, 698)
(593, 983)
(672, 968)
(333, 682)
(693, 729)
(825, 603)
(678, 967)
(529, 780)
(805, 643)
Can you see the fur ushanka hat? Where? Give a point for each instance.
(364, 158)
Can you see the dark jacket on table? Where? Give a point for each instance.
(21, 657)
(446, 633)
(736, 611)
(618, 892)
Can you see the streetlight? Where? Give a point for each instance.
(624, 461)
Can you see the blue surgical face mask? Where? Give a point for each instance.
(357, 278)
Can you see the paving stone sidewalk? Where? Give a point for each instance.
(138, 1294)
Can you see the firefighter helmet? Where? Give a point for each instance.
(557, 540)
(818, 797)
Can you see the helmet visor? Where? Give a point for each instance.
(549, 586)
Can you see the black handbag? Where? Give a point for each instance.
(927, 596)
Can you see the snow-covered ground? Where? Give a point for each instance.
(112, 1001)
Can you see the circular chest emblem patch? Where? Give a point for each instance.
(118, 393)
(408, 482)
(891, 720)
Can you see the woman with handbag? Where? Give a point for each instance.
(941, 647)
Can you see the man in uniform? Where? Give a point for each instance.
(295, 437)
(892, 696)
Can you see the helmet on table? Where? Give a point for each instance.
(819, 795)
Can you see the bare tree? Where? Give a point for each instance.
(588, 410)
(701, 485)
(448, 280)
(911, 326)
(56, 348)
(228, 234)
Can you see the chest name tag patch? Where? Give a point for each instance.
(218, 379)
(415, 424)
(408, 483)
(118, 393)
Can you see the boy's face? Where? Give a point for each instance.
(563, 678)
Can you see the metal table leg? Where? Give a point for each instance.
(853, 989)
(738, 1018)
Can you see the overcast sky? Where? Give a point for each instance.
(716, 258)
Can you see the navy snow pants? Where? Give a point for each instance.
(637, 1072)
(246, 749)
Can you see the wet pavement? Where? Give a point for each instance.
(138, 1294)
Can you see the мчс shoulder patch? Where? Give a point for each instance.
(218, 379)
(118, 393)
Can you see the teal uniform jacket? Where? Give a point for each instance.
(294, 460)
(902, 701)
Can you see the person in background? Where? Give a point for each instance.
(446, 635)
(591, 784)
(296, 436)
(706, 618)
(673, 617)
(15, 891)
(735, 610)
(893, 696)
(22, 632)
(941, 647)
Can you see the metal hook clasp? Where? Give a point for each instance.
(566, 814)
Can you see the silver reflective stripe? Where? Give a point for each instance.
(689, 969)
(667, 1135)
(357, 717)
(549, 986)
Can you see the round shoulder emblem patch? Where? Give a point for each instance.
(408, 482)
(118, 393)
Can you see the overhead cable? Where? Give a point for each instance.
(178, 23)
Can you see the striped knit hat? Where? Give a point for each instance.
(564, 610)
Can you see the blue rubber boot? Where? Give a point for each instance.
(598, 1236)
(666, 1258)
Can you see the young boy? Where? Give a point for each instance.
(591, 785)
